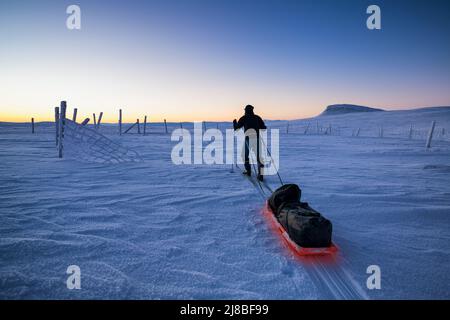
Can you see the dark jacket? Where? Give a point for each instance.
(250, 121)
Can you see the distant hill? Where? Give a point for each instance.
(394, 122)
(336, 109)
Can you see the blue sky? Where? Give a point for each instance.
(204, 60)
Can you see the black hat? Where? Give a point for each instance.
(249, 107)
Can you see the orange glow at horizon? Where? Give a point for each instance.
(111, 116)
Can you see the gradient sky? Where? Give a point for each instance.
(205, 60)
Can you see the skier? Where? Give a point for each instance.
(251, 121)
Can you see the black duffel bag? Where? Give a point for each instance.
(305, 226)
(288, 193)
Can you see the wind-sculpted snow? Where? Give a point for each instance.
(153, 230)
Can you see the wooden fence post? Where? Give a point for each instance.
(74, 118)
(430, 134)
(32, 125)
(85, 121)
(287, 128)
(165, 125)
(120, 122)
(95, 121)
(139, 126)
(145, 124)
(57, 123)
(410, 132)
(357, 132)
(62, 121)
(99, 120)
(181, 125)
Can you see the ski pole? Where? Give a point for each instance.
(273, 162)
(232, 159)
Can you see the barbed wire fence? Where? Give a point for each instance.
(91, 146)
(440, 133)
(88, 144)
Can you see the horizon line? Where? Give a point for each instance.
(230, 121)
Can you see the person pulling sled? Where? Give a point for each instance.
(254, 123)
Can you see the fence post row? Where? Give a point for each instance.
(60, 121)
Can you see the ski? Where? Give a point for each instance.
(258, 186)
(266, 185)
(264, 190)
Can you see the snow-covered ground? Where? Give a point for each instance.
(153, 230)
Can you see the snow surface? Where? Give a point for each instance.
(153, 230)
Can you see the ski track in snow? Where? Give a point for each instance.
(152, 230)
(332, 279)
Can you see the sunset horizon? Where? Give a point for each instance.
(204, 61)
(113, 118)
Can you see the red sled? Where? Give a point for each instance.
(291, 245)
